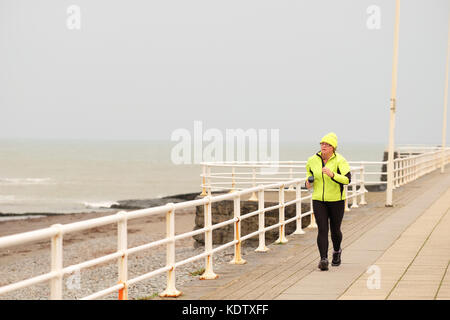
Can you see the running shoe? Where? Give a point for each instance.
(336, 258)
(323, 264)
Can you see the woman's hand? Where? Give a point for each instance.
(328, 172)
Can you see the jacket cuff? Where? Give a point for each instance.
(339, 178)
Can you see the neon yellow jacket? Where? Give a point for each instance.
(326, 188)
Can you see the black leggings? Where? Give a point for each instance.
(334, 211)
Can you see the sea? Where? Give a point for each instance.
(72, 176)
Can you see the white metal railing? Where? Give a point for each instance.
(412, 162)
(56, 233)
(417, 148)
(231, 176)
(411, 165)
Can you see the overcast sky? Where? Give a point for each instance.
(142, 69)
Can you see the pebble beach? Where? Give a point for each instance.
(29, 260)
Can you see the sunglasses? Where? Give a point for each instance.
(325, 144)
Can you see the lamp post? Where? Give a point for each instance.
(444, 117)
(390, 164)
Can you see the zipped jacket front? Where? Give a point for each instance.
(326, 188)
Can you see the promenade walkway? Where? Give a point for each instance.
(405, 248)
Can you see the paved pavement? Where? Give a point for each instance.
(402, 252)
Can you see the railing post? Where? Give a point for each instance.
(291, 177)
(418, 164)
(233, 180)
(405, 165)
(298, 209)
(237, 232)
(415, 168)
(208, 179)
(411, 168)
(407, 170)
(362, 188)
(203, 181)
(354, 194)
(312, 220)
(171, 290)
(346, 198)
(56, 264)
(122, 245)
(281, 237)
(419, 167)
(423, 167)
(261, 222)
(209, 273)
(395, 174)
(253, 197)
